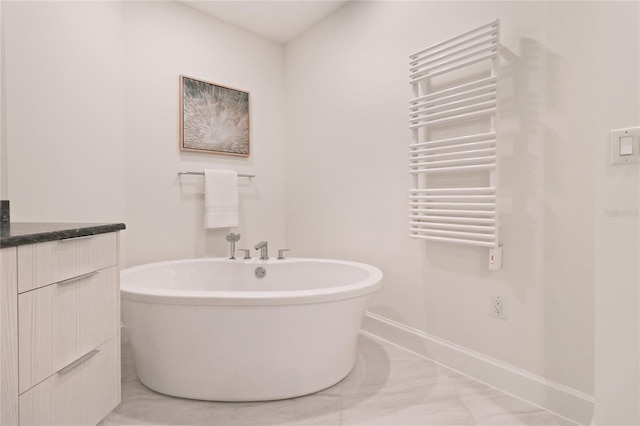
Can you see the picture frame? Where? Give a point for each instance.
(214, 118)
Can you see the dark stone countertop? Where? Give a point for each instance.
(20, 233)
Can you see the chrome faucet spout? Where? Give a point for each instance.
(264, 250)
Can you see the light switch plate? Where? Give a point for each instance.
(626, 145)
(618, 158)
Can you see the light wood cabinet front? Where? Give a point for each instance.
(82, 396)
(61, 322)
(8, 337)
(60, 331)
(46, 263)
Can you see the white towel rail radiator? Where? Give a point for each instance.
(464, 214)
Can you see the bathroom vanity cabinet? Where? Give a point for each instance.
(59, 324)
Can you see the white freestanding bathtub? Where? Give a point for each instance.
(211, 329)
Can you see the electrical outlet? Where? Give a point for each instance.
(499, 307)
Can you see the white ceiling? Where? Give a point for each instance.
(280, 21)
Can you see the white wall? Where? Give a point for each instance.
(92, 122)
(4, 187)
(617, 272)
(347, 96)
(164, 212)
(64, 100)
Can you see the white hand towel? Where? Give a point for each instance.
(220, 199)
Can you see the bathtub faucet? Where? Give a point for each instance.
(264, 251)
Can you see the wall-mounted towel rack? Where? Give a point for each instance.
(202, 174)
(442, 143)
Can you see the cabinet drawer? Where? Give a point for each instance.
(61, 322)
(46, 263)
(84, 395)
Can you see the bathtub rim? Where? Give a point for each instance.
(251, 298)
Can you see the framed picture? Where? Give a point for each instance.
(213, 118)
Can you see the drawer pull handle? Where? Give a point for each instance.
(76, 238)
(78, 361)
(81, 277)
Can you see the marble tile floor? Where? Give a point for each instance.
(388, 386)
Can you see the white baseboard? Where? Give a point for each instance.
(567, 402)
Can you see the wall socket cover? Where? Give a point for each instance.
(499, 307)
(614, 140)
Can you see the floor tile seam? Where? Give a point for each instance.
(464, 403)
(386, 394)
(378, 338)
(511, 413)
(260, 418)
(427, 412)
(400, 361)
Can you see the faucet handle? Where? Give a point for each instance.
(247, 253)
(280, 253)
